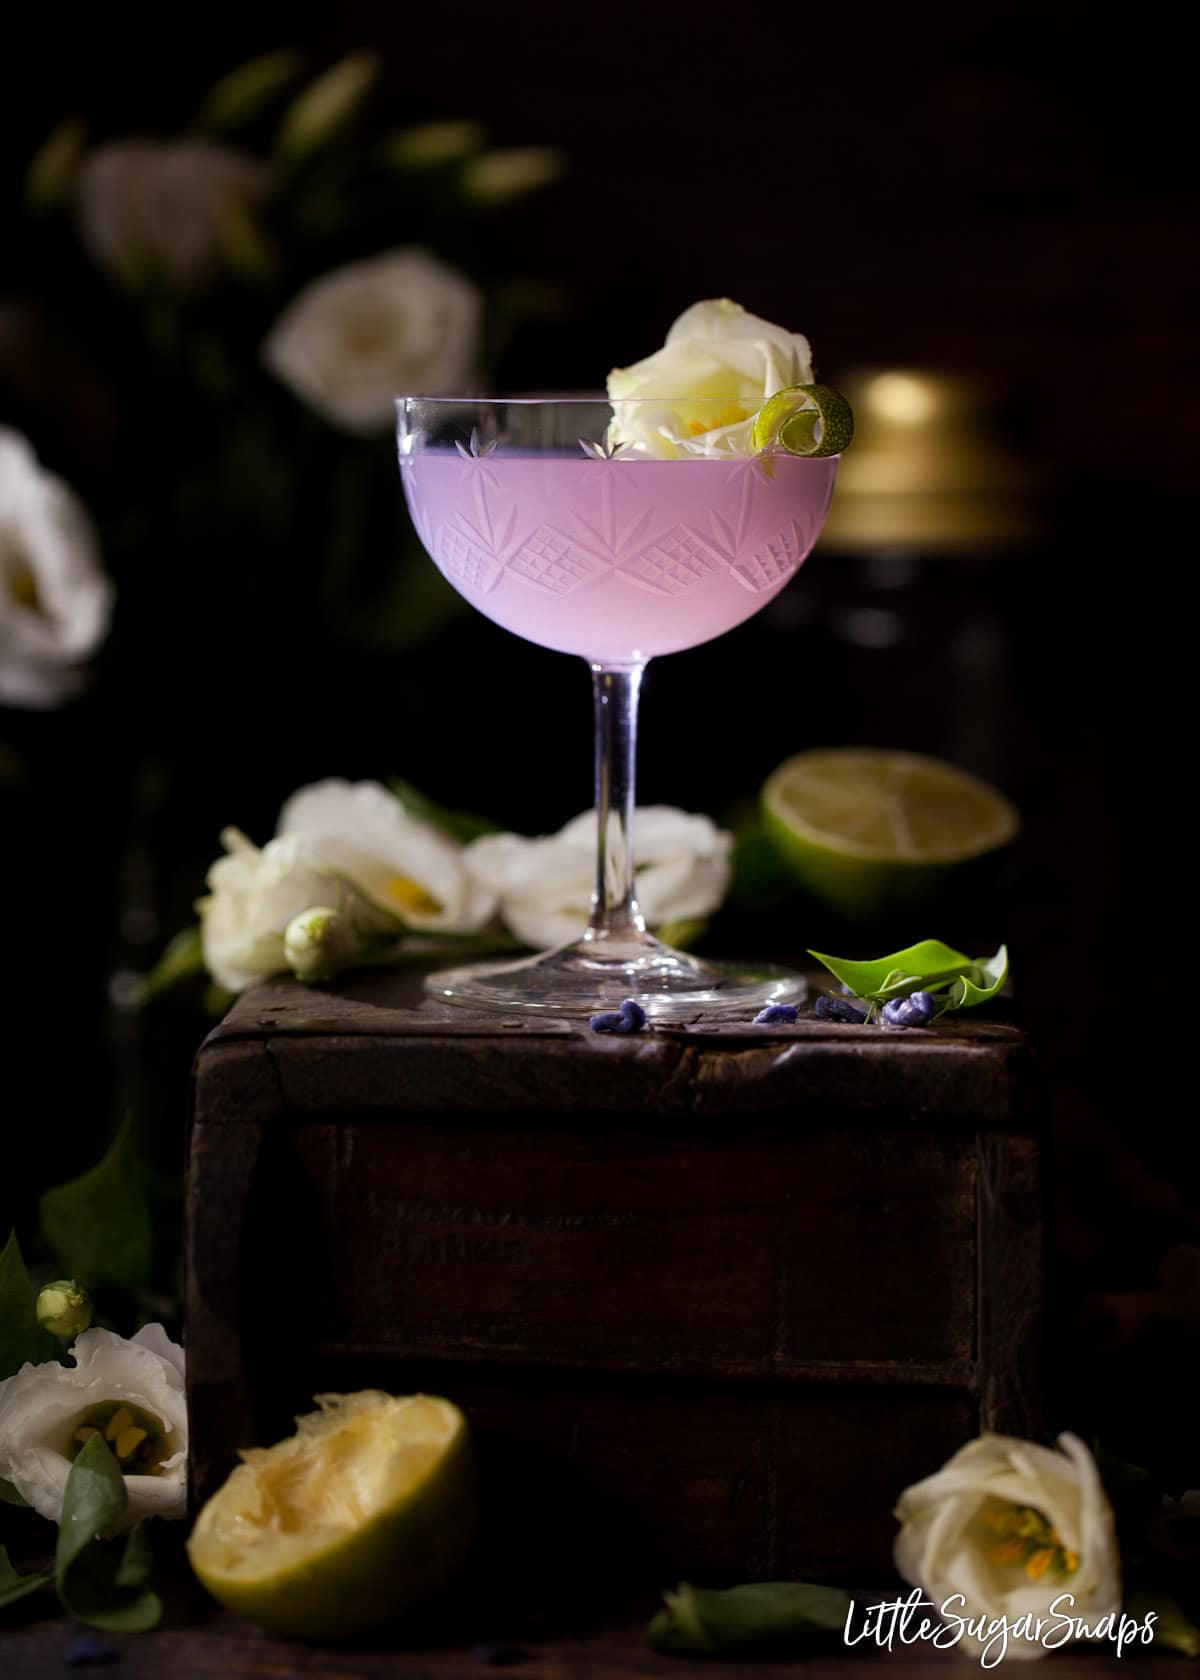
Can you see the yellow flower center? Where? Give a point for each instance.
(22, 587)
(731, 415)
(409, 896)
(137, 1440)
(1027, 1539)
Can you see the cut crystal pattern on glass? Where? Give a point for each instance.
(773, 562)
(675, 563)
(466, 562)
(552, 561)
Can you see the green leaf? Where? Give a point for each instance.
(1172, 1628)
(22, 1339)
(460, 825)
(681, 935)
(10, 1496)
(963, 982)
(98, 1224)
(99, 1582)
(717, 1624)
(14, 1586)
(183, 958)
(981, 983)
(926, 960)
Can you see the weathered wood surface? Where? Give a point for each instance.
(217, 1646)
(711, 1299)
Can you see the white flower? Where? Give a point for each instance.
(349, 847)
(1010, 1525)
(161, 209)
(55, 599)
(43, 1406)
(545, 885)
(401, 862)
(253, 895)
(715, 371)
(355, 340)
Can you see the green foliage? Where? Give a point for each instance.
(1173, 1627)
(98, 1224)
(183, 958)
(460, 825)
(956, 981)
(245, 93)
(22, 1339)
(105, 1584)
(14, 1587)
(696, 1623)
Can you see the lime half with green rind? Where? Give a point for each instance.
(805, 420)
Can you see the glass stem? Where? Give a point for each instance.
(615, 915)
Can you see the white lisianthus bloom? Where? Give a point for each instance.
(355, 340)
(253, 895)
(43, 1409)
(544, 886)
(348, 847)
(1010, 1526)
(163, 209)
(715, 371)
(55, 599)
(402, 863)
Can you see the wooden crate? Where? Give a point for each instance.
(710, 1298)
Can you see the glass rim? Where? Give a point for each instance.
(557, 400)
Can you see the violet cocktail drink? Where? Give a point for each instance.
(540, 520)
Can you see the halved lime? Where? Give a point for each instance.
(871, 831)
(805, 420)
(367, 1511)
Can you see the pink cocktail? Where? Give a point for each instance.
(616, 559)
(616, 535)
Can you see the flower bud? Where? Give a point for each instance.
(64, 1308)
(327, 105)
(320, 943)
(499, 177)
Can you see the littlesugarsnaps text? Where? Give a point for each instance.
(907, 1621)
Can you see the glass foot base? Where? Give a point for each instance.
(578, 980)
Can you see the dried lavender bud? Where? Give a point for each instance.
(912, 1011)
(85, 1649)
(775, 1013)
(839, 1009)
(633, 1015)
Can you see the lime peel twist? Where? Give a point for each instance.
(808, 420)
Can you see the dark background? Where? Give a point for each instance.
(1004, 190)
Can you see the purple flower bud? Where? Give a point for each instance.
(912, 1011)
(609, 1020)
(633, 1015)
(774, 1013)
(839, 1009)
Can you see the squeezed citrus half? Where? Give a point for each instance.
(367, 1511)
(871, 832)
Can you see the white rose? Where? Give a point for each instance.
(355, 340)
(401, 862)
(1010, 1526)
(55, 599)
(161, 208)
(43, 1406)
(715, 371)
(545, 885)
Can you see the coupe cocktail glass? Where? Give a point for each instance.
(538, 517)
